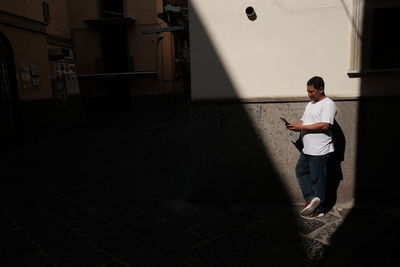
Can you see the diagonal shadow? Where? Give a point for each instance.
(231, 164)
(368, 235)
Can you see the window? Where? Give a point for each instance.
(46, 12)
(385, 52)
(376, 36)
(112, 8)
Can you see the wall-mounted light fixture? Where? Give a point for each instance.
(251, 13)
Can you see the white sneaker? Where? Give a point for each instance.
(313, 215)
(311, 207)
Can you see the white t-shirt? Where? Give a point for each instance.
(318, 144)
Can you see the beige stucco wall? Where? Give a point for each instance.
(59, 21)
(58, 24)
(86, 40)
(144, 12)
(148, 53)
(31, 9)
(86, 49)
(273, 56)
(143, 48)
(82, 10)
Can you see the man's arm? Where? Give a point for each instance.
(317, 127)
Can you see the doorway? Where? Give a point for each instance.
(9, 100)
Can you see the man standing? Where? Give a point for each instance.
(315, 131)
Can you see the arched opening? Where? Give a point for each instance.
(9, 100)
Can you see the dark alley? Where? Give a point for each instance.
(113, 194)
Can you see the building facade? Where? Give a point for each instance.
(250, 63)
(59, 58)
(126, 54)
(39, 84)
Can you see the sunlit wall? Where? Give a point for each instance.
(274, 55)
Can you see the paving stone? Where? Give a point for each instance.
(72, 188)
(347, 236)
(88, 224)
(278, 211)
(270, 231)
(373, 252)
(143, 203)
(129, 216)
(365, 217)
(309, 249)
(116, 241)
(307, 226)
(32, 260)
(288, 216)
(187, 221)
(118, 210)
(149, 226)
(344, 212)
(57, 204)
(12, 239)
(38, 221)
(393, 217)
(182, 242)
(329, 217)
(45, 192)
(22, 206)
(147, 253)
(325, 233)
(72, 214)
(237, 217)
(230, 263)
(95, 260)
(330, 258)
(206, 255)
(115, 264)
(161, 231)
(6, 223)
(277, 258)
(62, 244)
(240, 245)
(173, 261)
(213, 228)
(382, 246)
(13, 252)
(96, 199)
(184, 213)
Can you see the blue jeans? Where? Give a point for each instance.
(311, 173)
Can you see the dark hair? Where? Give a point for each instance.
(317, 82)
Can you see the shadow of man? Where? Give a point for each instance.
(335, 174)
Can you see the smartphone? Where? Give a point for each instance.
(285, 121)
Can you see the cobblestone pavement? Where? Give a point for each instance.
(112, 195)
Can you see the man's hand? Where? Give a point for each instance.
(297, 127)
